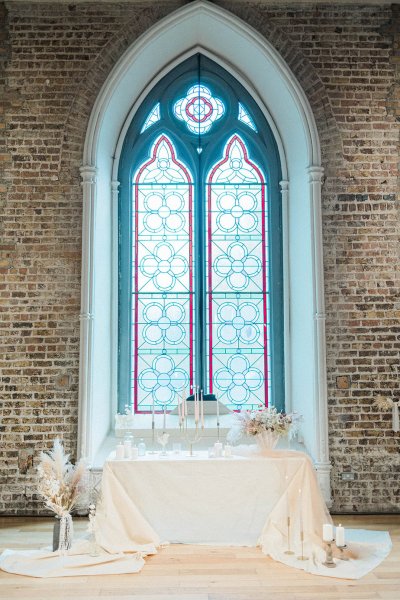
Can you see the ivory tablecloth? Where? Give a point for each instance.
(245, 500)
(237, 501)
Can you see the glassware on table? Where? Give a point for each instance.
(141, 448)
(163, 440)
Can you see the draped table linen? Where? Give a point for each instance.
(244, 500)
(200, 500)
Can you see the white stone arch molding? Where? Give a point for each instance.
(203, 27)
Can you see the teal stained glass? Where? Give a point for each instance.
(199, 109)
(153, 117)
(245, 117)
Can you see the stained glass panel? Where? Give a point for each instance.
(245, 117)
(199, 109)
(162, 335)
(153, 117)
(238, 325)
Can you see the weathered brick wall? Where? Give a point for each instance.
(53, 61)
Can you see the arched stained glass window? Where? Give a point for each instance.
(237, 259)
(200, 285)
(162, 317)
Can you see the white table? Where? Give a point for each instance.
(243, 500)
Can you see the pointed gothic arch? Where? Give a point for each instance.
(203, 27)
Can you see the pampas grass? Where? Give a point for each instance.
(59, 482)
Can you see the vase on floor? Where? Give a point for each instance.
(62, 533)
(267, 440)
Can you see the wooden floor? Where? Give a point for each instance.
(182, 572)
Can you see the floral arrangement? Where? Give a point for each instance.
(59, 482)
(254, 422)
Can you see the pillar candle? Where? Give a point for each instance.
(327, 532)
(217, 449)
(227, 451)
(127, 448)
(340, 539)
(119, 451)
(134, 453)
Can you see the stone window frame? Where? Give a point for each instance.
(210, 30)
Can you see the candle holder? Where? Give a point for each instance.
(342, 549)
(193, 438)
(302, 556)
(329, 562)
(288, 551)
(153, 437)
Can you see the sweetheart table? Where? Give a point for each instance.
(242, 500)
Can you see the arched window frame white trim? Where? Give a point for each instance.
(203, 27)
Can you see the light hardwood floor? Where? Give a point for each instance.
(180, 572)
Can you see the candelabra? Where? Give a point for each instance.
(192, 436)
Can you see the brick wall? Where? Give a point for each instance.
(53, 61)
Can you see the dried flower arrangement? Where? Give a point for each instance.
(61, 485)
(255, 422)
(60, 482)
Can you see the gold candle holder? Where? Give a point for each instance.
(302, 556)
(288, 551)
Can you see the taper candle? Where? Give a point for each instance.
(202, 408)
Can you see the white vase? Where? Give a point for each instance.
(267, 440)
(62, 533)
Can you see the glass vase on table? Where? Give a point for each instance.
(267, 440)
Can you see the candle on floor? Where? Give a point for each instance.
(340, 539)
(327, 532)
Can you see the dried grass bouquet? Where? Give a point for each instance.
(60, 483)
